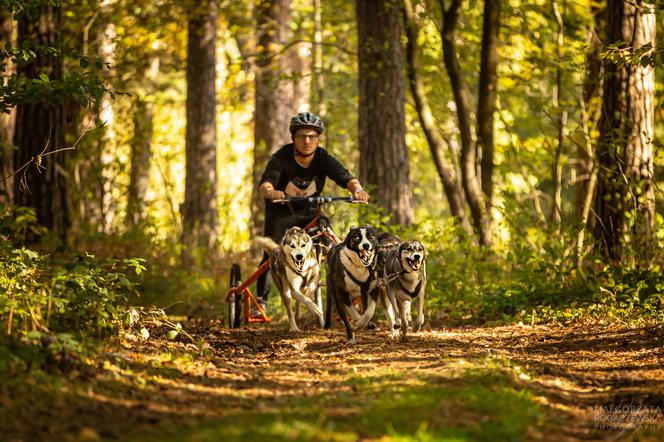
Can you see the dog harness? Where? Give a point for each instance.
(364, 286)
(414, 293)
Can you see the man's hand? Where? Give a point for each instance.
(360, 195)
(355, 188)
(275, 195)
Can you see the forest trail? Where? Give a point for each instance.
(511, 382)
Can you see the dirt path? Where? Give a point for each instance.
(535, 383)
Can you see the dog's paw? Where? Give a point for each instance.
(294, 330)
(396, 334)
(351, 341)
(417, 327)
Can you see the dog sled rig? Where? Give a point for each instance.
(241, 301)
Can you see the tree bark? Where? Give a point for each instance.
(625, 203)
(318, 90)
(40, 132)
(488, 93)
(7, 121)
(141, 149)
(107, 143)
(199, 211)
(273, 109)
(469, 178)
(384, 163)
(590, 99)
(446, 172)
(561, 120)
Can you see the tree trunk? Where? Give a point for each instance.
(625, 203)
(199, 211)
(7, 120)
(384, 163)
(40, 132)
(469, 178)
(318, 90)
(273, 109)
(447, 172)
(488, 93)
(141, 148)
(561, 121)
(590, 99)
(107, 143)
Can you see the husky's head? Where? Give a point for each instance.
(296, 245)
(412, 255)
(363, 241)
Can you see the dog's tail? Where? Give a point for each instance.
(268, 244)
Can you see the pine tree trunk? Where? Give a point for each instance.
(40, 131)
(625, 203)
(273, 108)
(318, 90)
(7, 121)
(141, 148)
(199, 211)
(107, 142)
(384, 165)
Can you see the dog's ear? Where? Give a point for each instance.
(348, 235)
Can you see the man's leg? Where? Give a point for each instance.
(264, 283)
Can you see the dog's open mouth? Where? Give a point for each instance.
(299, 264)
(414, 263)
(366, 256)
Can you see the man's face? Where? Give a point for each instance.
(306, 141)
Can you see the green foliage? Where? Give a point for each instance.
(535, 277)
(81, 85)
(92, 294)
(47, 306)
(29, 8)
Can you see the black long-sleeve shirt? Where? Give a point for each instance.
(285, 174)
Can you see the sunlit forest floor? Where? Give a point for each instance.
(260, 383)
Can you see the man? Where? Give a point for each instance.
(298, 169)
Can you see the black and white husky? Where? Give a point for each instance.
(295, 271)
(404, 280)
(351, 274)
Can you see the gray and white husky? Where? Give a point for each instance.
(405, 280)
(295, 271)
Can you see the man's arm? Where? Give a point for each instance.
(355, 187)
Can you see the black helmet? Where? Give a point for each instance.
(306, 120)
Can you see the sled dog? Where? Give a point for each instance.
(403, 280)
(351, 274)
(295, 271)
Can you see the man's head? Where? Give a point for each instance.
(305, 128)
